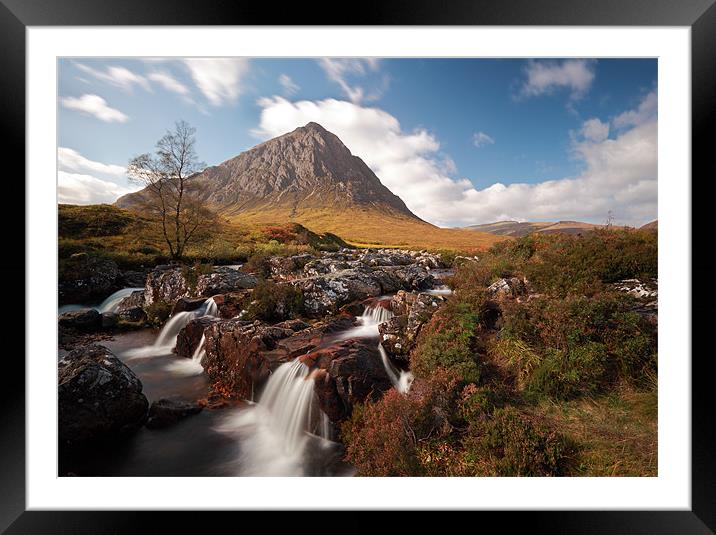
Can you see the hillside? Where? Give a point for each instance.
(516, 228)
(308, 176)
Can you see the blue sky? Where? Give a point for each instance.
(462, 141)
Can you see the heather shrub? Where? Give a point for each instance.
(191, 274)
(448, 341)
(385, 437)
(509, 444)
(275, 302)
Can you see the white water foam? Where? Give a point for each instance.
(167, 339)
(111, 304)
(273, 433)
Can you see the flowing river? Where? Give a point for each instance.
(283, 433)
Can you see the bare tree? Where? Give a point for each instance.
(171, 193)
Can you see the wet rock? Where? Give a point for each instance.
(90, 279)
(399, 334)
(295, 325)
(233, 304)
(131, 308)
(109, 320)
(290, 267)
(187, 304)
(346, 373)
(240, 355)
(224, 279)
(166, 412)
(99, 398)
(134, 279)
(190, 335)
(415, 278)
(84, 320)
(165, 285)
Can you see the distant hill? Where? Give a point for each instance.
(309, 176)
(516, 229)
(654, 225)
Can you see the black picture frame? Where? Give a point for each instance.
(700, 15)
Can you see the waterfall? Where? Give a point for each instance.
(368, 322)
(167, 338)
(401, 379)
(111, 304)
(274, 432)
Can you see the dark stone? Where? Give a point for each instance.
(189, 337)
(166, 412)
(100, 398)
(187, 304)
(85, 320)
(109, 320)
(89, 280)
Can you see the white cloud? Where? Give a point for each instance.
(219, 79)
(339, 70)
(647, 108)
(118, 76)
(72, 161)
(595, 130)
(545, 77)
(168, 82)
(480, 139)
(289, 86)
(619, 174)
(96, 106)
(76, 188)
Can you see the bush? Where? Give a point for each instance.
(448, 341)
(577, 345)
(385, 437)
(509, 444)
(275, 302)
(158, 312)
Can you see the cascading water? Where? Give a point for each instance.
(372, 317)
(111, 304)
(274, 432)
(368, 322)
(400, 379)
(167, 338)
(190, 366)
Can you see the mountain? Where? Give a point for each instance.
(309, 176)
(517, 228)
(654, 225)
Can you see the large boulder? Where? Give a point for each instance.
(99, 398)
(190, 335)
(325, 294)
(169, 284)
(224, 279)
(88, 279)
(412, 310)
(165, 284)
(345, 373)
(84, 320)
(131, 308)
(289, 267)
(240, 355)
(166, 412)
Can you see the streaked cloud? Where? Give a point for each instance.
(219, 79)
(480, 139)
(95, 106)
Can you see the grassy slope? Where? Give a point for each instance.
(376, 229)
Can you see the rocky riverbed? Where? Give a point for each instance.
(215, 359)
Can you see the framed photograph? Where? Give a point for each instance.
(426, 258)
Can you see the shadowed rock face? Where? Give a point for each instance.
(307, 168)
(100, 399)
